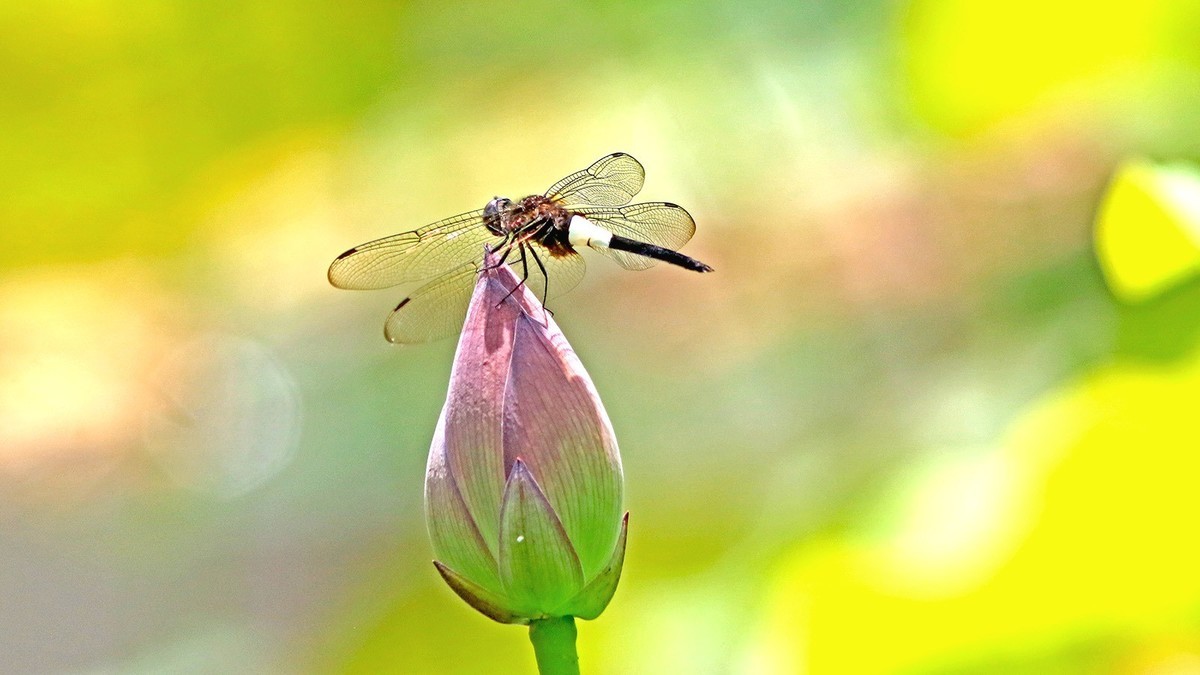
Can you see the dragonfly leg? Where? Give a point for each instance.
(524, 272)
(505, 244)
(513, 237)
(545, 281)
(545, 277)
(532, 226)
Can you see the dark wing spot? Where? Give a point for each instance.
(347, 253)
(402, 303)
(672, 205)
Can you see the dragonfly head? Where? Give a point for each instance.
(492, 214)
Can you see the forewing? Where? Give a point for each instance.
(659, 223)
(413, 256)
(612, 180)
(435, 310)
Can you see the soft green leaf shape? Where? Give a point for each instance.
(591, 601)
(492, 605)
(538, 565)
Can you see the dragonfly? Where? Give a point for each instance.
(542, 234)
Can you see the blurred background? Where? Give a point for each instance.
(913, 424)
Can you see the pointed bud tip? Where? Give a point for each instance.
(509, 287)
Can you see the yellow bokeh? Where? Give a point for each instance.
(1105, 506)
(1148, 229)
(201, 436)
(972, 64)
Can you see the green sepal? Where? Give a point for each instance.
(538, 564)
(491, 605)
(591, 601)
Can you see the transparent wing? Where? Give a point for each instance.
(659, 223)
(612, 180)
(413, 256)
(563, 272)
(435, 310)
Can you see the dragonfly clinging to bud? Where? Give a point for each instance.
(540, 233)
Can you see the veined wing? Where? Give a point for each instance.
(660, 223)
(435, 310)
(438, 309)
(413, 256)
(563, 272)
(612, 180)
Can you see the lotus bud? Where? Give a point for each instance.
(523, 492)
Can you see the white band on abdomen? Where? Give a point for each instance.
(584, 232)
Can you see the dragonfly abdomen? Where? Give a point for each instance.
(619, 243)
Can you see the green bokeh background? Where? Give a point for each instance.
(905, 428)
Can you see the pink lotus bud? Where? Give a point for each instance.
(524, 487)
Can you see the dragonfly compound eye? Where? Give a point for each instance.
(491, 214)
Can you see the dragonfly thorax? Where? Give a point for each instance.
(535, 216)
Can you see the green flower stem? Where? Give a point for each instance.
(554, 645)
